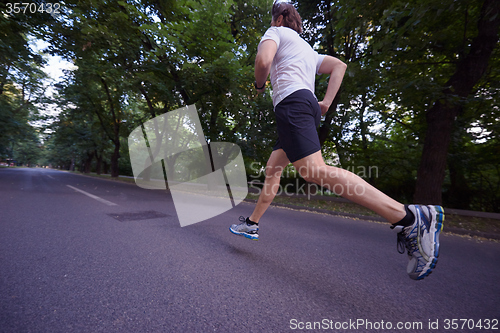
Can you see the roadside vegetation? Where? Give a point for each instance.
(419, 105)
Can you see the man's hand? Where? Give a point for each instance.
(262, 88)
(336, 69)
(324, 107)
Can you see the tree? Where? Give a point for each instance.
(470, 68)
(412, 67)
(20, 84)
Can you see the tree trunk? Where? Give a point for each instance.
(114, 160)
(431, 172)
(442, 114)
(88, 162)
(116, 153)
(98, 165)
(105, 167)
(116, 129)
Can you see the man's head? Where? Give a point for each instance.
(285, 15)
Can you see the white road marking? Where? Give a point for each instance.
(109, 203)
(50, 177)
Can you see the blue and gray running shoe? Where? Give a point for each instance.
(250, 231)
(421, 240)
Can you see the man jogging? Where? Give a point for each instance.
(293, 65)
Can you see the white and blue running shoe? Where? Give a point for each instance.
(250, 231)
(421, 240)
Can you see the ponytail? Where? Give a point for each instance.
(291, 18)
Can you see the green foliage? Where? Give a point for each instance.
(400, 56)
(138, 59)
(20, 87)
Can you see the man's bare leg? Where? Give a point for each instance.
(418, 226)
(275, 165)
(349, 185)
(429, 219)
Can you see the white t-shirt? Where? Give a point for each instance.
(295, 64)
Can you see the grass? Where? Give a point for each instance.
(484, 225)
(316, 203)
(491, 226)
(475, 224)
(104, 176)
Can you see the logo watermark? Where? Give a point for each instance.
(329, 180)
(204, 179)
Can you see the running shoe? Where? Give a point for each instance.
(421, 240)
(250, 231)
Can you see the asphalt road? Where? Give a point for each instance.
(67, 264)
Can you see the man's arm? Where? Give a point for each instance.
(263, 61)
(336, 68)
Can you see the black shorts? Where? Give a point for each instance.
(298, 117)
